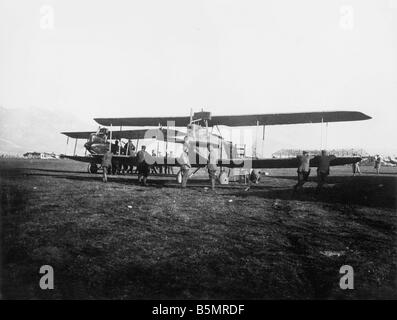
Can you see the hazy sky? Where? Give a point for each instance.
(146, 58)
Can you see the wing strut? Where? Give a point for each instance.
(326, 135)
(110, 144)
(256, 140)
(121, 129)
(220, 142)
(321, 134)
(67, 143)
(75, 146)
(263, 140)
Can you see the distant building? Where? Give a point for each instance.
(290, 153)
(40, 155)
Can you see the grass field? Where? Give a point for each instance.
(123, 241)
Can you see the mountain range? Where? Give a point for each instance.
(36, 129)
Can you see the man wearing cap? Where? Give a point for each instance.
(378, 162)
(212, 164)
(323, 168)
(106, 164)
(303, 170)
(143, 167)
(129, 148)
(185, 165)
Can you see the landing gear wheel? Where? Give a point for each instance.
(92, 168)
(223, 178)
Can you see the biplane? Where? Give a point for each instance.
(390, 162)
(198, 134)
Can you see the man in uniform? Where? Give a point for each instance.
(115, 150)
(115, 147)
(356, 167)
(129, 148)
(303, 170)
(106, 164)
(143, 167)
(212, 164)
(323, 169)
(377, 163)
(153, 168)
(185, 164)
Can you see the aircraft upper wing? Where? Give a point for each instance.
(243, 120)
(131, 134)
(78, 134)
(288, 118)
(144, 121)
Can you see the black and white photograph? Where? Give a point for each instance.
(207, 150)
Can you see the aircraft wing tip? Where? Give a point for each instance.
(365, 116)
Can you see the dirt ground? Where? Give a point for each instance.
(123, 241)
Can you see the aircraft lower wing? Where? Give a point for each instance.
(90, 159)
(273, 163)
(199, 161)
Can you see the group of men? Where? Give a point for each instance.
(143, 168)
(323, 169)
(377, 165)
(212, 163)
(128, 149)
(303, 171)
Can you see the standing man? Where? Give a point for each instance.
(115, 147)
(115, 150)
(129, 148)
(143, 167)
(323, 169)
(356, 168)
(130, 151)
(303, 170)
(185, 164)
(377, 163)
(212, 164)
(106, 164)
(153, 168)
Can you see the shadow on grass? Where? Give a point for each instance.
(372, 191)
(155, 182)
(350, 192)
(86, 171)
